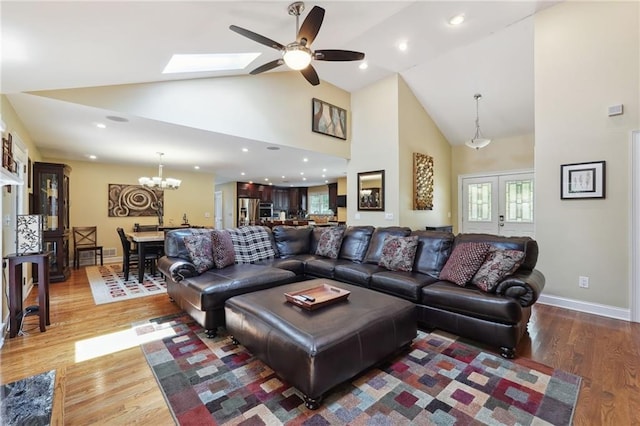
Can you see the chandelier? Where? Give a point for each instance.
(477, 141)
(157, 182)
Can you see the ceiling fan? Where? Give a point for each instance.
(298, 54)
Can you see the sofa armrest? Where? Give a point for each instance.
(177, 268)
(525, 287)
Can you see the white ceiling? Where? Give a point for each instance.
(52, 45)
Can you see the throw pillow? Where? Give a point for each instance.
(330, 242)
(498, 265)
(398, 253)
(464, 262)
(199, 248)
(251, 244)
(222, 249)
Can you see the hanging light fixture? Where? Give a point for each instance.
(478, 141)
(157, 182)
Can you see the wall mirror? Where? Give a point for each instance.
(371, 190)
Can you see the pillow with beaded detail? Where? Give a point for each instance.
(398, 253)
(222, 249)
(330, 242)
(498, 265)
(199, 247)
(464, 262)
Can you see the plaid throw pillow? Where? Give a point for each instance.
(464, 262)
(251, 244)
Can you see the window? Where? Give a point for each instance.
(519, 201)
(480, 202)
(319, 203)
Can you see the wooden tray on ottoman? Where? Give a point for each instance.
(324, 295)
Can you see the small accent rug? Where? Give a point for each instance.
(28, 401)
(438, 381)
(108, 284)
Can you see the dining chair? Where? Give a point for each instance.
(145, 228)
(131, 259)
(156, 248)
(85, 238)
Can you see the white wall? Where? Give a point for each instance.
(587, 57)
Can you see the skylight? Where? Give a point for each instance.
(209, 62)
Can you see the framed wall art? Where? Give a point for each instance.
(328, 119)
(134, 200)
(582, 180)
(422, 181)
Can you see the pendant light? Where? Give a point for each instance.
(477, 141)
(157, 182)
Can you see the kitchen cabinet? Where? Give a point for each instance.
(264, 192)
(51, 199)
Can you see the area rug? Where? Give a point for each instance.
(439, 380)
(108, 284)
(28, 401)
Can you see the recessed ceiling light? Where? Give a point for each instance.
(196, 167)
(301, 173)
(282, 177)
(273, 148)
(456, 20)
(92, 157)
(305, 159)
(245, 149)
(326, 181)
(251, 181)
(209, 62)
(324, 170)
(242, 173)
(271, 183)
(304, 178)
(324, 176)
(266, 179)
(101, 125)
(363, 66)
(118, 119)
(403, 46)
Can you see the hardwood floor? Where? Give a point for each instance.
(119, 388)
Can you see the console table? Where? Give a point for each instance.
(15, 289)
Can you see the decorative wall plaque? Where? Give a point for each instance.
(422, 181)
(134, 200)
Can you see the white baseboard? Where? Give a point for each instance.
(587, 307)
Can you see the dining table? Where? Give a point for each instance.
(143, 240)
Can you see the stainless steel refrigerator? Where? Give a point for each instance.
(248, 211)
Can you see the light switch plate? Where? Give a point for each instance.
(615, 110)
(388, 216)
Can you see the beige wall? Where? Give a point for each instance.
(254, 107)
(505, 154)
(418, 133)
(587, 57)
(374, 146)
(89, 184)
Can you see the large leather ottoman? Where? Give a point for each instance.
(315, 350)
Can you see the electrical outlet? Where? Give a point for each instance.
(583, 282)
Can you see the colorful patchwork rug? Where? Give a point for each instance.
(108, 284)
(438, 381)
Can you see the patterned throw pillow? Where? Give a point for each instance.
(199, 247)
(498, 265)
(251, 244)
(398, 253)
(222, 250)
(464, 262)
(330, 242)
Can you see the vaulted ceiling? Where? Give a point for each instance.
(50, 45)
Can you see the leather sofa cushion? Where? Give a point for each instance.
(374, 252)
(212, 288)
(526, 244)
(356, 273)
(472, 302)
(433, 251)
(407, 285)
(174, 241)
(355, 243)
(291, 241)
(323, 266)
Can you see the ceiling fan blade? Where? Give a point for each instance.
(268, 66)
(311, 25)
(338, 55)
(256, 37)
(311, 75)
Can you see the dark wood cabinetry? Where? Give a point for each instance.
(289, 200)
(51, 199)
(280, 200)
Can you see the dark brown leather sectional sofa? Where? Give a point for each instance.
(498, 319)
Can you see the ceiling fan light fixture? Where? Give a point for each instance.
(297, 57)
(477, 141)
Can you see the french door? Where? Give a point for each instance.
(500, 204)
